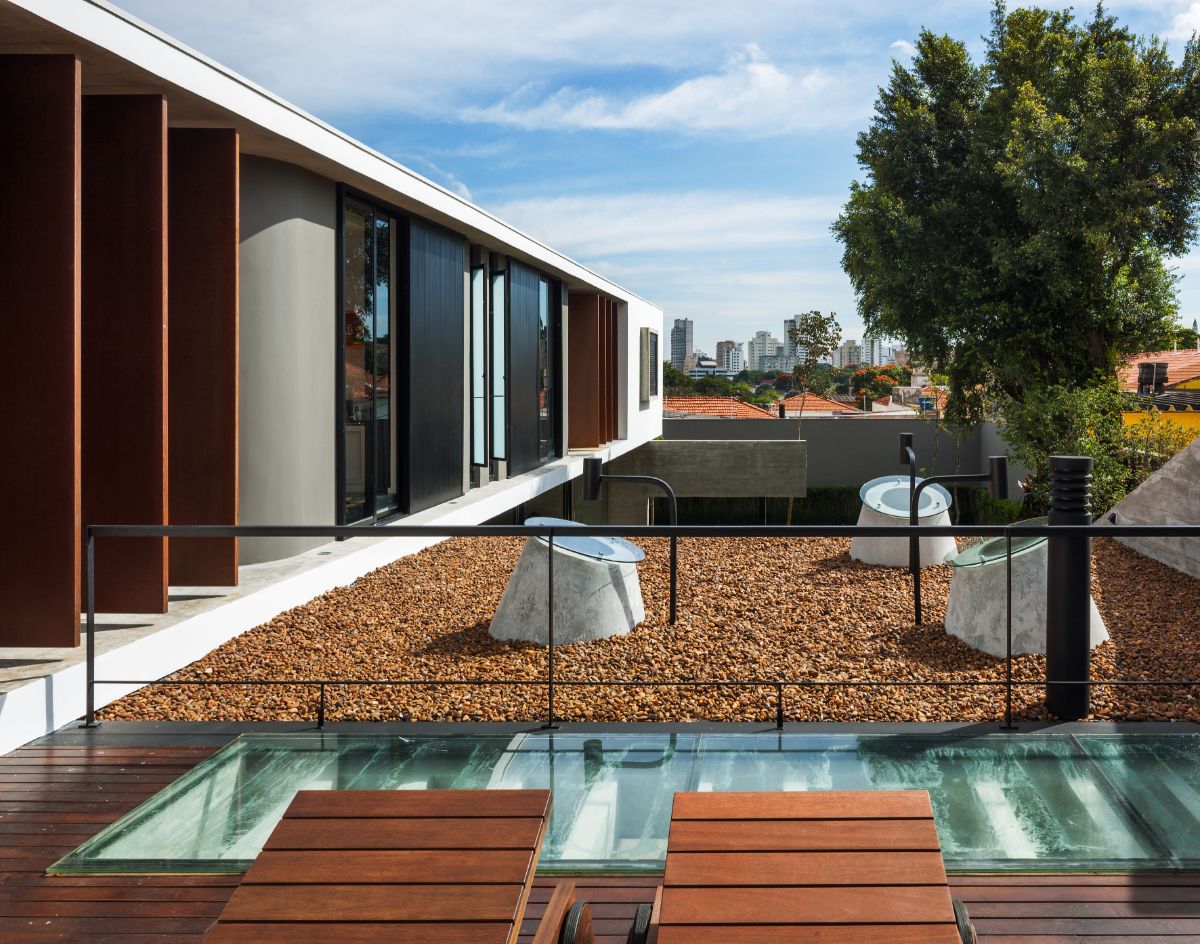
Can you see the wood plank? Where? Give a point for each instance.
(357, 933)
(363, 804)
(124, 337)
(484, 833)
(812, 804)
(828, 934)
(203, 351)
(882, 904)
(373, 903)
(797, 835)
(403, 867)
(40, 270)
(804, 868)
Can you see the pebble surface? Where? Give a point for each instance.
(749, 609)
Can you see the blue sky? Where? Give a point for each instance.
(694, 152)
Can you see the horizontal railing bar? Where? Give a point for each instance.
(718, 683)
(683, 531)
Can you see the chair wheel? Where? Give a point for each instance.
(641, 925)
(577, 926)
(962, 921)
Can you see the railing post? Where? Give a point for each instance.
(321, 705)
(550, 630)
(90, 592)
(1069, 590)
(778, 707)
(1008, 725)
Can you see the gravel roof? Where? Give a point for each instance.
(742, 616)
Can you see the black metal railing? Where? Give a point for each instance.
(777, 686)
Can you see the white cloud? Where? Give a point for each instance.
(1184, 23)
(600, 226)
(748, 93)
(904, 47)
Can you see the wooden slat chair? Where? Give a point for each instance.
(834, 867)
(411, 866)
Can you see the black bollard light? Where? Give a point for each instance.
(1069, 590)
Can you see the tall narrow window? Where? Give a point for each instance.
(382, 354)
(370, 460)
(358, 318)
(499, 365)
(545, 372)
(479, 454)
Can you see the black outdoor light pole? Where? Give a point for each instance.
(1069, 596)
(908, 457)
(997, 478)
(594, 475)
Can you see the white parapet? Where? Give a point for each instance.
(593, 598)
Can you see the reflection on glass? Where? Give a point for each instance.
(357, 338)
(546, 444)
(381, 364)
(499, 366)
(479, 454)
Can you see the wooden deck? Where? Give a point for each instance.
(53, 797)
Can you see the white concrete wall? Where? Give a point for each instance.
(287, 433)
(640, 422)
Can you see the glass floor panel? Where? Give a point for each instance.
(1041, 802)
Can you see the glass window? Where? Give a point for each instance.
(499, 366)
(357, 336)
(384, 428)
(370, 462)
(479, 454)
(545, 391)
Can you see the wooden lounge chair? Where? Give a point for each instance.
(402, 867)
(835, 867)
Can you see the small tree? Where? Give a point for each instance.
(815, 336)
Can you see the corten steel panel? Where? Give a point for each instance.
(203, 351)
(583, 370)
(434, 358)
(522, 369)
(614, 359)
(124, 321)
(39, 333)
(602, 358)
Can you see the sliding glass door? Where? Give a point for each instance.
(369, 468)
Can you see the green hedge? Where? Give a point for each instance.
(826, 504)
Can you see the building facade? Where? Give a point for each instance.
(729, 356)
(848, 354)
(762, 345)
(682, 343)
(245, 315)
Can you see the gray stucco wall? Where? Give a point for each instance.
(286, 413)
(853, 451)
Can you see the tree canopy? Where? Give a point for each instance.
(1017, 213)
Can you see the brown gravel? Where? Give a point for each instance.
(748, 609)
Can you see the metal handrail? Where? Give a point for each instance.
(91, 532)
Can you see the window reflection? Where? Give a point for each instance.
(499, 366)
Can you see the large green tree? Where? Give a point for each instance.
(1016, 212)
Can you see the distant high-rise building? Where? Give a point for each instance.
(874, 352)
(850, 354)
(899, 357)
(763, 344)
(681, 343)
(729, 356)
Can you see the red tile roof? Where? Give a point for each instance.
(816, 404)
(728, 407)
(1181, 365)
